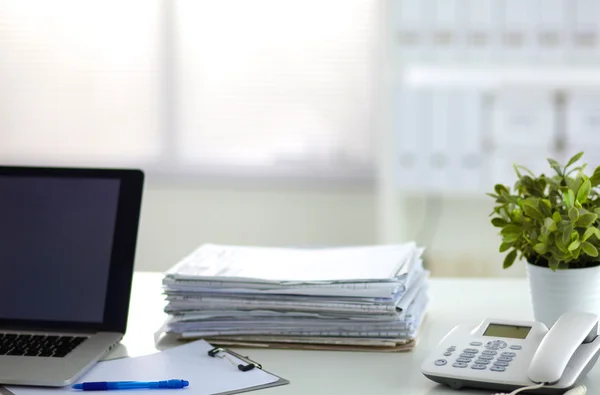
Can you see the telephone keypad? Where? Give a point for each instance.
(479, 359)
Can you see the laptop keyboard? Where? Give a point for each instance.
(38, 345)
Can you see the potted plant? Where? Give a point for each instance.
(551, 222)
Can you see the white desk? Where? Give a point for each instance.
(454, 301)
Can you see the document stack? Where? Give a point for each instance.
(353, 298)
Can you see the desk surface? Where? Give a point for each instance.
(454, 301)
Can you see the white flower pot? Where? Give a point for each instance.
(554, 293)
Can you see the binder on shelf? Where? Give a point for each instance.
(468, 167)
(517, 35)
(482, 30)
(524, 118)
(446, 41)
(439, 157)
(585, 39)
(551, 30)
(410, 124)
(410, 34)
(582, 126)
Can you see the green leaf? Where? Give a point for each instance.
(553, 263)
(550, 225)
(589, 249)
(561, 245)
(566, 236)
(505, 246)
(499, 188)
(573, 214)
(499, 222)
(569, 198)
(588, 233)
(586, 220)
(574, 245)
(517, 167)
(584, 191)
(556, 217)
(509, 259)
(595, 178)
(540, 248)
(511, 230)
(533, 212)
(556, 166)
(574, 159)
(510, 238)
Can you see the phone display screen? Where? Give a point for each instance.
(510, 331)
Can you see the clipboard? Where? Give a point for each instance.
(246, 365)
(222, 373)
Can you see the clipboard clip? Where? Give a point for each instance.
(218, 352)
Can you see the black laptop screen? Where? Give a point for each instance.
(56, 240)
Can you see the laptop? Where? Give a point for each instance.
(67, 247)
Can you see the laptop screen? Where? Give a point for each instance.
(56, 240)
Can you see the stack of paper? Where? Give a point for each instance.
(372, 297)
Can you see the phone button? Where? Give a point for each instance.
(447, 354)
(440, 362)
(489, 352)
(475, 344)
(459, 365)
(498, 368)
(471, 350)
(500, 363)
(483, 361)
(508, 354)
(515, 347)
(466, 355)
(463, 360)
(496, 344)
(505, 359)
(486, 357)
(478, 366)
(451, 348)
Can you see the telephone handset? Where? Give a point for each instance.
(507, 354)
(556, 349)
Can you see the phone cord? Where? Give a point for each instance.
(579, 390)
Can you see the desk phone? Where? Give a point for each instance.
(506, 355)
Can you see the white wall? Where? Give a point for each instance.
(178, 217)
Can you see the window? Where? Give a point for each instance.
(263, 86)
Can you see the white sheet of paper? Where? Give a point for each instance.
(207, 375)
(295, 264)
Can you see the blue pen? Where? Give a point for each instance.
(123, 385)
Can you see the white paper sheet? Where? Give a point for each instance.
(207, 375)
(295, 265)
